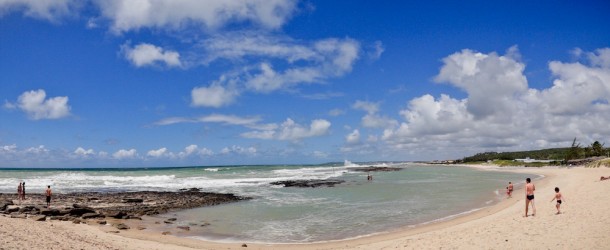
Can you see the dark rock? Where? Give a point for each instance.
(12, 208)
(166, 233)
(101, 222)
(133, 200)
(132, 217)
(308, 183)
(81, 211)
(116, 214)
(76, 221)
(141, 227)
(184, 228)
(205, 224)
(5, 203)
(121, 226)
(168, 222)
(172, 219)
(244, 245)
(190, 190)
(91, 215)
(39, 218)
(50, 212)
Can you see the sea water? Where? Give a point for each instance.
(415, 195)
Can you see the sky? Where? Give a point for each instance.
(151, 83)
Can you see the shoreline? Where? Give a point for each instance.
(502, 222)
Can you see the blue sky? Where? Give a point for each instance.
(166, 83)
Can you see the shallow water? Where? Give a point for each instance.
(415, 195)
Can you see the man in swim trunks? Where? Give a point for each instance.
(529, 196)
(48, 193)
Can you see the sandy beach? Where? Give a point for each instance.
(584, 224)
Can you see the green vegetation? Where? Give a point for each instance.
(556, 156)
(599, 163)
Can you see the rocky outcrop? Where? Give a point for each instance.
(308, 183)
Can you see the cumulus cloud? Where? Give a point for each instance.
(501, 112)
(490, 80)
(169, 14)
(157, 153)
(84, 152)
(51, 10)
(36, 105)
(145, 54)
(125, 154)
(195, 150)
(290, 131)
(216, 95)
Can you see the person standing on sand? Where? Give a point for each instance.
(529, 196)
(48, 194)
(559, 199)
(23, 191)
(19, 190)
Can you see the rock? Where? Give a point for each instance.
(186, 228)
(244, 245)
(50, 212)
(39, 218)
(168, 222)
(116, 214)
(190, 190)
(172, 219)
(121, 226)
(141, 227)
(205, 224)
(18, 216)
(76, 221)
(133, 200)
(308, 183)
(114, 232)
(81, 211)
(12, 208)
(133, 217)
(166, 233)
(101, 222)
(5, 203)
(91, 215)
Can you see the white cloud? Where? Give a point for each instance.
(51, 10)
(336, 112)
(290, 131)
(218, 118)
(216, 95)
(372, 119)
(125, 154)
(145, 54)
(239, 150)
(490, 80)
(353, 137)
(213, 14)
(8, 148)
(195, 150)
(37, 107)
(501, 113)
(157, 153)
(84, 152)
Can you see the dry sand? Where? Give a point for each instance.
(584, 224)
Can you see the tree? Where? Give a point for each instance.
(597, 149)
(574, 151)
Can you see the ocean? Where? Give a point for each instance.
(416, 195)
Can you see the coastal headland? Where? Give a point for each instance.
(583, 224)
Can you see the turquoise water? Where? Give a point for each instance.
(413, 196)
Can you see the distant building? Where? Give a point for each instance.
(528, 160)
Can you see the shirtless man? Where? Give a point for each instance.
(48, 194)
(529, 196)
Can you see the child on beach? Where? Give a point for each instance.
(559, 199)
(509, 190)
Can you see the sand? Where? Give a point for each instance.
(584, 224)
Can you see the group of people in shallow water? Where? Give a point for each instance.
(21, 193)
(529, 196)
